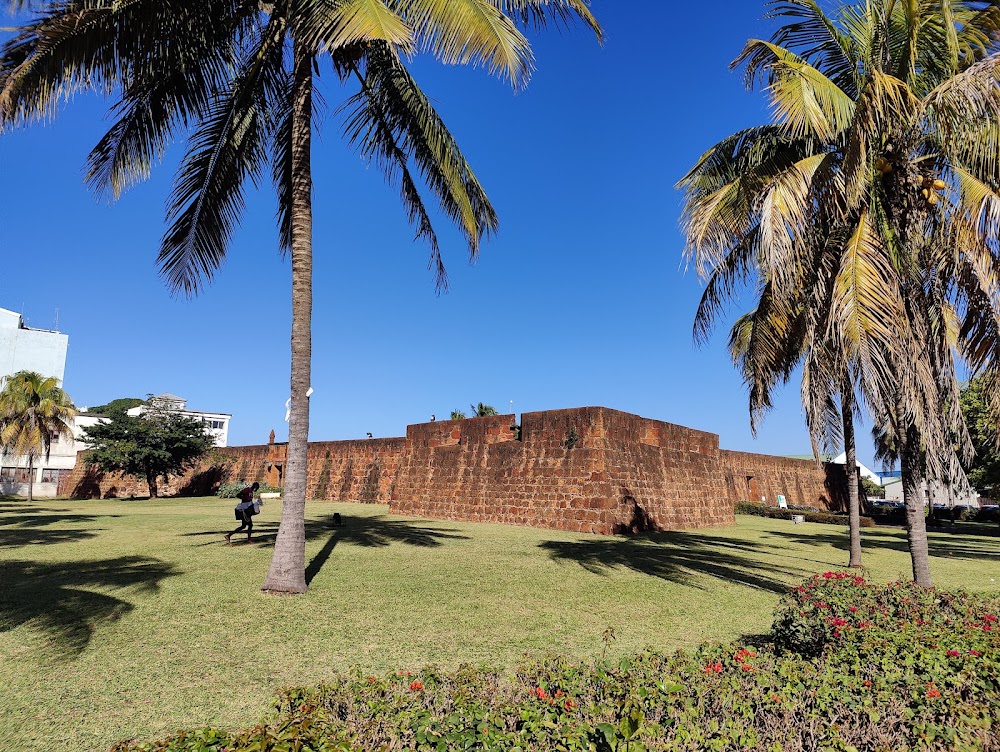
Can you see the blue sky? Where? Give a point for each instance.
(581, 299)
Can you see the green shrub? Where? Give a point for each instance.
(849, 666)
(810, 514)
(230, 490)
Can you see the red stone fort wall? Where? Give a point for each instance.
(589, 469)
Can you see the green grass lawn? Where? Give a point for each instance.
(122, 618)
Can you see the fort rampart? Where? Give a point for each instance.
(588, 469)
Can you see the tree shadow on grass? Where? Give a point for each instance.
(58, 600)
(680, 557)
(954, 546)
(366, 531)
(372, 532)
(23, 524)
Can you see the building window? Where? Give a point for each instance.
(219, 424)
(14, 474)
(53, 474)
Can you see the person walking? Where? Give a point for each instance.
(245, 511)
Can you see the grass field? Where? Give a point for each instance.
(131, 618)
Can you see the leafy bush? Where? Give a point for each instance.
(811, 515)
(850, 665)
(230, 490)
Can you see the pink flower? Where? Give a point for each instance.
(953, 653)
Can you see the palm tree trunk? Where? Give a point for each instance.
(288, 564)
(851, 468)
(31, 478)
(916, 522)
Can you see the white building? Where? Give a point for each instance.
(864, 472)
(216, 423)
(23, 348)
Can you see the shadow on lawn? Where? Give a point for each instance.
(679, 557)
(24, 524)
(952, 545)
(369, 532)
(372, 532)
(56, 598)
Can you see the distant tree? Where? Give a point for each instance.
(984, 470)
(33, 411)
(458, 415)
(872, 489)
(120, 405)
(156, 444)
(481, 410)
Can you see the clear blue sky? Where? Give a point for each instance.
(582, 298)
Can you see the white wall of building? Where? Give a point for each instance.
(25, 349)
(62, 459)
(216, 424)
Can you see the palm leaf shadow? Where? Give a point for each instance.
(684, 558)
(62, 601)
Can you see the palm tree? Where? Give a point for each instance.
(872, 202)
(819, 395)
(243, 74)
(33, 411)
(482, 410)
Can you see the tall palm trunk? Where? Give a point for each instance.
(31, 478)
(851, 468)
(288, 565)
(913, 498)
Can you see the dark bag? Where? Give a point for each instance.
(253, 509)
(239, 514)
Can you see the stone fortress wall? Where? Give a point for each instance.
(589, 469)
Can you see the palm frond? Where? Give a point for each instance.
(469, 32)
(330, 24)
(391, 121)
(228, 147)
(804, 100)
(818, 40)
(539, 13)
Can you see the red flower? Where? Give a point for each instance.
(559, 693)
(569, 705)
(853, 609)
(540, 693)
(371, 679)
(867, 683)
(974, 652)
(417, 686)
(989, 617)
(746, 667)
(953, 653)
(932, 692)
(775, 698)
(713, 668)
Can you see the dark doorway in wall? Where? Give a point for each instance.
(753, 489)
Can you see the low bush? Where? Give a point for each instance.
(810, 514)
(849, 666)
(230, 490)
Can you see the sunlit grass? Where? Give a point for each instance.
(122, 618)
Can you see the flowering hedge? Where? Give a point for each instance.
(849, 665)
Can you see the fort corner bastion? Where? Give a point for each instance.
(588, 469)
